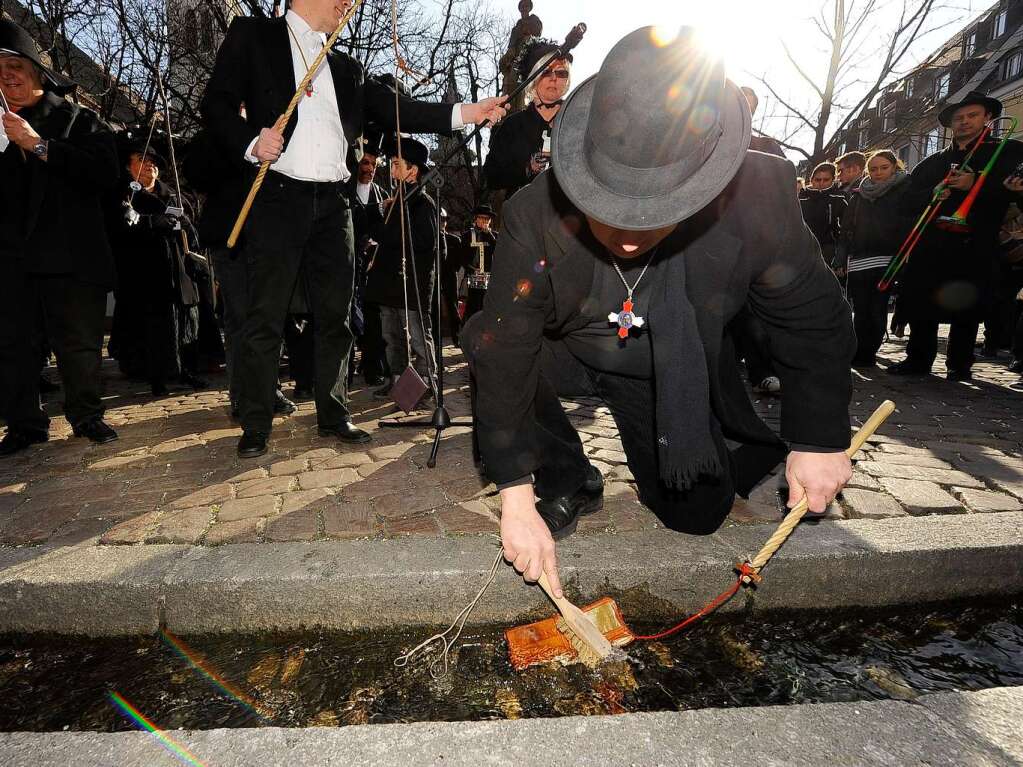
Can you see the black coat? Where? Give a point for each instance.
(822, 212)
(512, 144)
(368, 218)
(748, 246)
(384, 283)
(58, 224)
(254, 67)
(948, 276)
(875, 228)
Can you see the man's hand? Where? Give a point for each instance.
(268, 146)
(493, 109)
(960, 181)
(527, 542)
(818, 476)
(1014, 184)
(19, 131)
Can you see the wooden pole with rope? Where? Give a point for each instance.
(282, 121)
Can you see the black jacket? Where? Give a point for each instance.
(748, 246)
(822, 212)
(58, 224)
(366, 219)
(512, 144)
(384, 283)
(254, 67)
(876, 228)
(945, 261)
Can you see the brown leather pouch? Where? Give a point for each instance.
(408, 389)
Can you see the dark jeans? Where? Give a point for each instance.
(870, 312)
(296, 225)
(923, 345)
(753, 345)
(72, 318)
(698, 511)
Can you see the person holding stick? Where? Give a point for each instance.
(616, 275)
(302, 216)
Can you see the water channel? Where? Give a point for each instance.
(319, 678)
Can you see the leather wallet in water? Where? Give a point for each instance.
(408, 389)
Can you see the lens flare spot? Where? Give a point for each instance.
(662, 36)
(523, 288)
(702, 119)
(539, 266)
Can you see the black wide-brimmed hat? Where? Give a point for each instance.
(412, 151)
(14, 40)
(654, 136)
(138, 146)
(991, 104)
(483, 210)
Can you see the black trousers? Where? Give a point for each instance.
(699, 511)
(299, 331)
(72, 318)
(371, 344)
(870, 312)
(922, 348)
(233, 276)
(296, 225)
(753, 345)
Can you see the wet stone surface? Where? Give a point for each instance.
(174, 477)
(322, 679)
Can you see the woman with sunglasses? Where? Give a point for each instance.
(520, 147)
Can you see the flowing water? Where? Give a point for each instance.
(329, 679)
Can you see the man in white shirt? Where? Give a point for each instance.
(301, 220)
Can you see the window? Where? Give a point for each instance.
(999, 28)
(864, 135)
(909, 88)
(971, 44)
(941, 86)
(1013, 65)
(888, 122)
(904, 154)
(933, 141)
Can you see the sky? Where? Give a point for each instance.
(748, 34)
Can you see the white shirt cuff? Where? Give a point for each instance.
(457, 123)
(248, 151)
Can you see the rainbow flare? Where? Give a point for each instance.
(147, 725)
(198, 662)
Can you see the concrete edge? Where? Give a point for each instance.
(974, 728)
(424, 581)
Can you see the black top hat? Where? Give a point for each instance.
(372, 142)
(412, 151)
(483, 210)
(992, 105)
(534, 49)
(654, 136)
(15, 40)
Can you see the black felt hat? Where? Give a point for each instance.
(654, 136)
(534, 49)
(992, 105)
(412, 151)
(16, 41)
(483, 210)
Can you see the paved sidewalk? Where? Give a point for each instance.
(174, 477)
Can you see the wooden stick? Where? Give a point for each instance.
(578, 621)
(788, 524)
(282, 121)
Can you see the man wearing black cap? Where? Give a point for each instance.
(403, 263)
(616, 276)
(58, 161)
(477, 260)
(948, 276)
(301, 218)
(520, 149)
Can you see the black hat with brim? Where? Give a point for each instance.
(139, 147)
(412, 151)
(671, 183)
(991, 104)
(16, 41)
(483, 210)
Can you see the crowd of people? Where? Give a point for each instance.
(650, 245)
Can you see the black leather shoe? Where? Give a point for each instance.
(16, 441)
(302, 394)
(95, 430)
(905, 369)
(158, 389)
(959, 375)
(562, 513)
(283, 405)
(1016, 366)
(373, 380)
(346, 432)
(252, 444)
(190, 379)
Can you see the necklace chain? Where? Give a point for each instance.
(628, 287)
(309, 88)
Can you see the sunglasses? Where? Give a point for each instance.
(560, 74)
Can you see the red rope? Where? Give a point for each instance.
(745, 571)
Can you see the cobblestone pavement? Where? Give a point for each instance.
(174, 477)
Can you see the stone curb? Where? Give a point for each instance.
(424, 581)
(978, 728)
